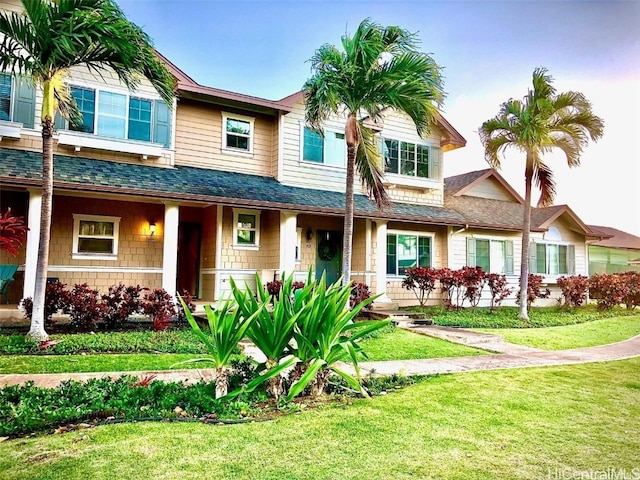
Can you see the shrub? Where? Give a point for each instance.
(85, 308)
(57, 298)
(359, 293)
(631, 296)
(158, 304)
(473, 281)
(274, 288)
(451, 282)
(534, 290)
(574, 290)
(611, 289)
(498, 288)
(422, 281)
(13, 233)
(120, 303)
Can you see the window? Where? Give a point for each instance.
(552, 259)
(237, 132)
(5, 97)
(330, 150)
(407, 250)
(410, 159)
(246, 228)
(95, 237)
(117, 115)
(493, 256)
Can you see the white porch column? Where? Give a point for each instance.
(33, 237)
(170, 247)
(288, 241)
(367, 252)
(381, 264)
(218, 261)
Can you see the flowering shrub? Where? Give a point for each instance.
(534, 290)
(422, 281)
(574, 290)
(497, 284)
(359, 293)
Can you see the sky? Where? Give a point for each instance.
(487, 49)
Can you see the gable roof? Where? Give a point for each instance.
(459, 184)
(22, 168)
(453, 139)
(616, 238)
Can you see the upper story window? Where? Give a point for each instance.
(5, 97)
(117, 115)
(246, 229)
(237, 132)
(17, 101)
(552, 259)
(330, 150)
(95, 237)
(411, 159)
(405, 250)
(493, 256)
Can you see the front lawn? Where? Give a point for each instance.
(598, 332)
(556, 422)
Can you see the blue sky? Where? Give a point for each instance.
(488, 50)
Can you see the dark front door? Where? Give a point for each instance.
(189, 257)
(329, 255)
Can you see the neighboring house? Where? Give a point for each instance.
(618, 253)
(228, 185)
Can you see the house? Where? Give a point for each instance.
(618, 253)
(223, 185)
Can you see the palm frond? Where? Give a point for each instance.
(368, 165)
(543, 179)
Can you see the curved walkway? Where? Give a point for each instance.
(515, 356)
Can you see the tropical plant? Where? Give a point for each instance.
(43, 44)
(574, 290)
(13, 233)
(422, 281)
(325, 333)
(227, 326)
(379, 68)
(534, 290)
(542, 121)
(498, 289)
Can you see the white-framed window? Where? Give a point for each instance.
(552, 258)
(246, 228)
(406, 250)
(410, 159)
(119, 115)
(330, 150)
(95, 237)
(493, 256)
(237, 132)
(6, 97)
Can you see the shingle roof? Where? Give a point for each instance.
(619, 239)
(22, 168)
(455, 183)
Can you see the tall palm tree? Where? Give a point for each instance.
(539, 123)
(44, 43)
(379, 68)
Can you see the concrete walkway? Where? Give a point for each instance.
(513, 356)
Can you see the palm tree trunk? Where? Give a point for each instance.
(222, 382)
(37, 331)
(352, 139)
(526, 228)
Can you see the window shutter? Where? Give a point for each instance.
(533, 258)
(434, 160)
(59, 123)
(508, 257)
(25, 106)
(471, 252)
(571, 259)
(162, 124)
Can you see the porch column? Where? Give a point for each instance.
(381, 264)
(33, 237)
(288, 241)
(170, 247)
(218, 261)
(367, 252)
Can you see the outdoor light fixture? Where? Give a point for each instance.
(152, 232)
(309, 234)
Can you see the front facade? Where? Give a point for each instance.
(223, 185)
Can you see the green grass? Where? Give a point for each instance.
(598, 332)
(507, 317)
(525, 423)
(400, 344)
(32, 364)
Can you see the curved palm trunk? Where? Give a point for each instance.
(351, 136)
(37, 331)
(526, 228)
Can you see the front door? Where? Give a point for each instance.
(329, 255)
(189, 257)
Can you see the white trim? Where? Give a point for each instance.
(170, 247)
(90, 268)
(256, 229)
(410, 180)
(80, 140)
(76, 255)
(218, 259)
(280, 159)
(33, 240)
(242, 118)
(10, 129)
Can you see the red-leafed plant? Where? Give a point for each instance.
(421, 281)
(359, 293)
(181, 318)
(631, 297)
(473, 281)
(120, 303)
(451, 283)
(573, 290)
(497, 284)
(159, 305)
(13, 233)
(56, 299)
(85, 307)
(534, 290)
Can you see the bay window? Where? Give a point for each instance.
(411, 159)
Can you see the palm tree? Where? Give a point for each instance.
(540, 122)
(379, 68)
(44, 43)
